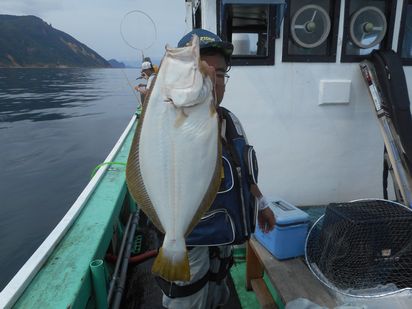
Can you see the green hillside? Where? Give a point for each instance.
(28, 41)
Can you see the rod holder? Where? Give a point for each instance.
(99, 283)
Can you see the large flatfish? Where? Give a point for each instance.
(174, 166)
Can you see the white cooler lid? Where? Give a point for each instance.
(287, 213)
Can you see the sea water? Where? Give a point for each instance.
(56, 125)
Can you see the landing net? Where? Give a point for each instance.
(362, 248)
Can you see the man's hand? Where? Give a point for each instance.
(266, 220)
(209, 70)
(141, 88)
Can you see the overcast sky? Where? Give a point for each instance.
(96, 23)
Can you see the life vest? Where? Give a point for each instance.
(232, 216)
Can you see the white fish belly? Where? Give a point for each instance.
(177, 163)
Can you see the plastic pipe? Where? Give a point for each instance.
(99, 283)
(125, 263)
(117, 266)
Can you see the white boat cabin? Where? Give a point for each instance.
(296, 86)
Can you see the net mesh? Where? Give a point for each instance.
(362, 248)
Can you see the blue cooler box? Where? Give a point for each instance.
(287, 239)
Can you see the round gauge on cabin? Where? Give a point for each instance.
(310, 26)
(367, 27)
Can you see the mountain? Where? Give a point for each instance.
(136, 63)
(28, 41)
(131, 63)
(116, 64)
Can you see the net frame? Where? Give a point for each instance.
(150, 20)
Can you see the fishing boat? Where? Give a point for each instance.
(296, 85)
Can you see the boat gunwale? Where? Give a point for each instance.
(15, 288)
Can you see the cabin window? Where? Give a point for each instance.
(368, 26)
(251, 27)
(197, 16)
(310, 31)
(405, 34)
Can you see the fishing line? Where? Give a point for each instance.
(106, 163)
(131, 87)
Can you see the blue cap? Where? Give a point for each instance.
(208, 40)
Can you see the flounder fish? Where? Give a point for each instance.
(174, 165)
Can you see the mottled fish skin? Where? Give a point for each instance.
(173, 170)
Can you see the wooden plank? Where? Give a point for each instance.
(263, 295)
(254, 268)
(292, 278)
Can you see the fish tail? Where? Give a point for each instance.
(172, 265)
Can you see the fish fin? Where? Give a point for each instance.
(134, 178)
(180, 118)
(171, 268)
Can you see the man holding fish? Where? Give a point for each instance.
(192, 172)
